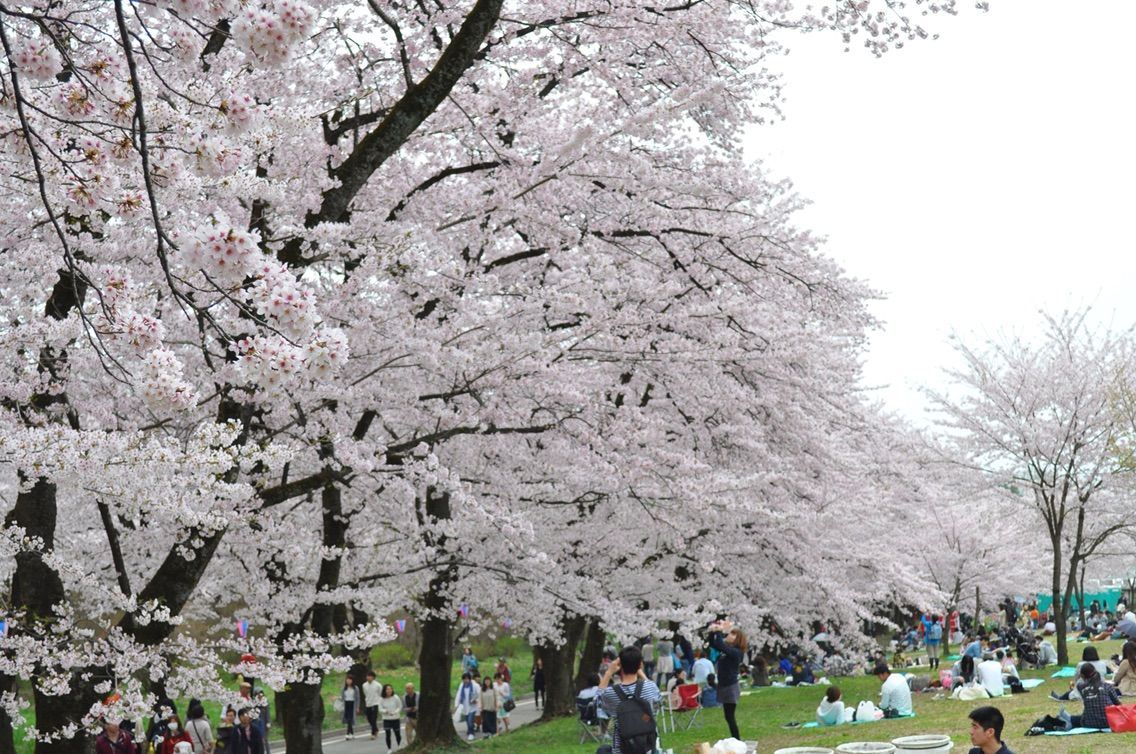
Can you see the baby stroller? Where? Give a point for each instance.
(1027, 653)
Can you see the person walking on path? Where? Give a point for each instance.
(372, 692)
(391, 707)
(664, 661)
(489, 703)
(468, 704)
(469, 661)
(197, 726)
(113, 740)
(503, 669)
(349, 698)
(537, 675)
(410, 704)
(504, 696)
(731, 645)
(247, 738)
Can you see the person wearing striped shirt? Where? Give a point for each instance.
(629, 667)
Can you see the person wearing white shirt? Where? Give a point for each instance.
(894, 693)
(988, 673)
(702, 668)
(391, 707)
(831, 709)
(372, 690)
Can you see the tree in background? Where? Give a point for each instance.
(1041, 418)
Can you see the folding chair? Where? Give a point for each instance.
(688, 701)
(588, 718)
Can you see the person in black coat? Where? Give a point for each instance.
(731, 645)
(247, 738)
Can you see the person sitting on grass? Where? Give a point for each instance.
(989, 676)
(1125, 677)
(831, 709)
(1095, 694)
(986, 725)
(1046, 654)
(895, 694)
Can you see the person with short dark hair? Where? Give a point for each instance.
(986, 725)
(372, 693)
(632, 680)
(468, 704)
(895, 694)
(113, 740)
(248, 739)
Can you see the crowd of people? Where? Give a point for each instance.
(242, 729)
(379, 703)
(485, 703)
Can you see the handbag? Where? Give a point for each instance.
(509, 705)
(458, 716)
(1121, 718)
(477, 719)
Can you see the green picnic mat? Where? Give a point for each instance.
(1065, 672)
(815, 724)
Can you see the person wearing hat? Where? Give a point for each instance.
(895, 694)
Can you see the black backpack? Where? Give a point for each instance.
(635, 721)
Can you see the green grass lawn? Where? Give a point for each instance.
(761, 714)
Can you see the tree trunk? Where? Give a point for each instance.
(435, 664)
(977, 608)
(559, 662)
(435, 660)
(300, 709)
(592, 654)
(1081, 596)
(7, 742)
(300, 706)
(1058, 608)
(37, 588)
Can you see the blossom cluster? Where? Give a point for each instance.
(269, 31)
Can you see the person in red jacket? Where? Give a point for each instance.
(175, 734)
(113, 740)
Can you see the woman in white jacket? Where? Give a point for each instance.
(390, 707)
(831, 709)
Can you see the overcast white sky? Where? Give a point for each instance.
(974, 179)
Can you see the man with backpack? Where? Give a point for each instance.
(630, 703)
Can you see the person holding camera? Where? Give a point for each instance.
(731, 645)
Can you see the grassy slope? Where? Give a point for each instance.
(761, 714)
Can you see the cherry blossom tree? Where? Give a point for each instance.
(1040, 420)
(285, 281)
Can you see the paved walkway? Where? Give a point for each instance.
(335, 742)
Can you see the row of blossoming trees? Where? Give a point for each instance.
(318, 311)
